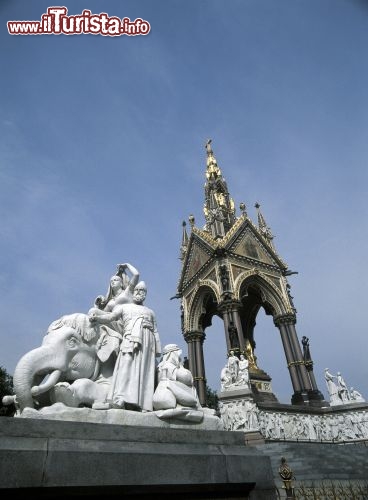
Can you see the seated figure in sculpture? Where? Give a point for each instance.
(342, 389)
(355, 396)
(175, 395)
(225, 378)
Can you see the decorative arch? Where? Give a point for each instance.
(271, 296)
(255, 291)
(202, 306)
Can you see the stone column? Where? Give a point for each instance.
(191, 355)
(289, 355)
(230, 314)
(300, 384)
(237, 322)
(201, 374)
(196, 362)
(309, 366)
(225, 317)
(309, 391)
(230, 310)
(298, 354)
(315, 396)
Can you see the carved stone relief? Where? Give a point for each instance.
(243, 415)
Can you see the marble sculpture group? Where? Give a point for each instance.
(107, 359)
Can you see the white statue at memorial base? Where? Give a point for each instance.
(233, 365)
(339, 393)
(243, 373)
(132, 384)
(332, 388)
(75, 365)
(175, 395)
(235, 374)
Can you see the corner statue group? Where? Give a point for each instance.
(106, 359)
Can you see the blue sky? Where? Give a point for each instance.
(102, 157)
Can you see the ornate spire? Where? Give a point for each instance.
(184, 242)
(213, 170)
(262, 226)
(218, 206)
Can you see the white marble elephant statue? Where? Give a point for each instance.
(65, 368)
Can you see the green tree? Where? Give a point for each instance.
(211, 399)
(6, 388)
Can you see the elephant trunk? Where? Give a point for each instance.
(31, 366)
(63, 354)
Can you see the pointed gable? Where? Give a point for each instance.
(197, 259)
(249, 246)
(198, 254)
(247, 242)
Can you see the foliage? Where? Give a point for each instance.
(6, 388)
(211, 398)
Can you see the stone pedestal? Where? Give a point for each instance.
(261, 386)
(60, 412)
(53, 458)
(236, 393)
(238, 410)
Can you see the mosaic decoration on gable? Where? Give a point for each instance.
(197, 260)
(248, 247)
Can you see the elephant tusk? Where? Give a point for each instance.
(96, 370)
(52, 379)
